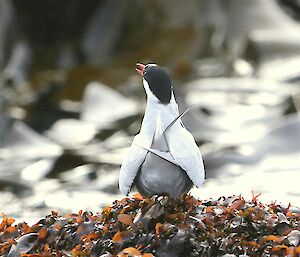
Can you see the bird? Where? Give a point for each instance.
(164, 158)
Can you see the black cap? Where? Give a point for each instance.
(159, 82)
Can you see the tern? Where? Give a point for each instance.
(164, 157)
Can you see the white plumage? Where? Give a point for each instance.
(175, 148)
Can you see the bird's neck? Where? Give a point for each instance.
(152, 100)
(166, 112)
(154, 111)
(156, 107)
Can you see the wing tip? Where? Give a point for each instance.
(123, 188)
(124, 191)
(199, 183)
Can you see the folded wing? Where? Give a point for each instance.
(172, 143)
(132, 163)
(186, 152)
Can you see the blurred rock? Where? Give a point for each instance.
(210, 67)
(292, 7)
(242, 68)
(79, 176)
(233, 110)
(67, 58)
(279, 187)
(97, 178)
(270, 166)
(6, 14)
(46, 107)
(22, 142)
(15, 185)
(102, 105)
(277, 56)
(16, 70)
(74, 201)
(240, 123)
(110, 151)
(71, 133)
(111, 31)
(5, 123)
(102, 31)
(281, 140)
(37, 170)
(26, 156)
(99, 154)
(281, 69)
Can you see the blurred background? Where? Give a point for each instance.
(71, 101)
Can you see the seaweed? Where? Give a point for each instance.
(160, 226)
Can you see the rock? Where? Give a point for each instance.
(6, 14)
(71, 132)
(234, 110)
(103, 31)
(102, 105)
(23, 142)
(16, 70)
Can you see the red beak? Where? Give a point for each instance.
(140, 69)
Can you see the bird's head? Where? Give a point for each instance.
(156, 82)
